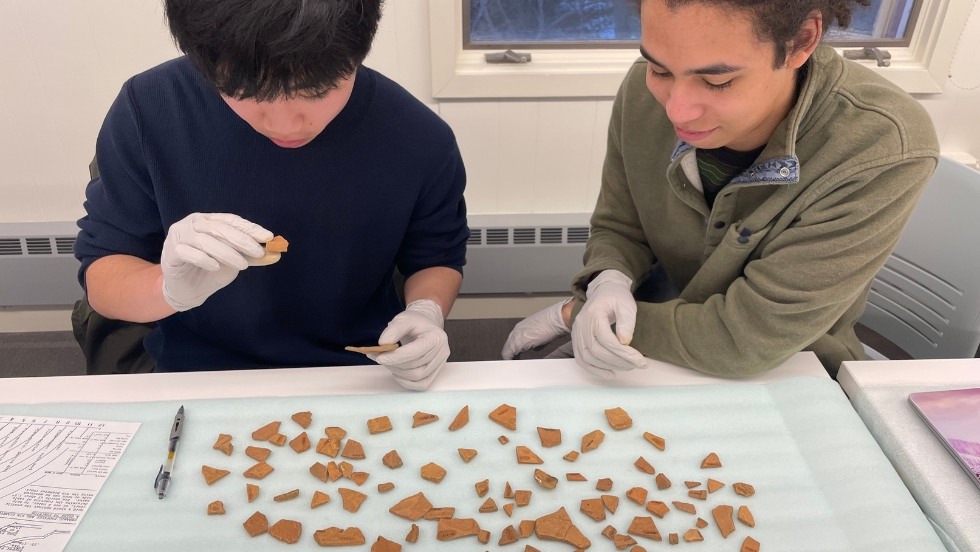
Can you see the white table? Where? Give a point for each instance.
(298, 382)
(879, 391)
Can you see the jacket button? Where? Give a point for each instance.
(743, 239)
(784, 172)
(720, 224)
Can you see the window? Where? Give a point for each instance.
(582, 48)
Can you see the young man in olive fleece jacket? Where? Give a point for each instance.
(780, 258)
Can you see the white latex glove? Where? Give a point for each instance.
(424, 345)
(204, 252)
(597, 349)
(536, 330)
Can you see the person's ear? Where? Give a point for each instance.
(805, 42)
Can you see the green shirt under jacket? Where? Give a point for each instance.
(784, 259)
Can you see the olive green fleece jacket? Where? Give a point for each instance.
(784, 259)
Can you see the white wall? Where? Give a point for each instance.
(65, 60)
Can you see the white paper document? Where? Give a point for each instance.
(50, 471)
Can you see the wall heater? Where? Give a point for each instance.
(509, 254)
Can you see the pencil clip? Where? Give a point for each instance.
(156, 482)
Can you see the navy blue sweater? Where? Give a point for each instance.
(381, 187)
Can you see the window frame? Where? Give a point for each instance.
(920, 68)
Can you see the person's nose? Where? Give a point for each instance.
(282, 122)
(684, 104)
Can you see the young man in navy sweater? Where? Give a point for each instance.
(270, 124)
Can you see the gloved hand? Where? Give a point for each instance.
(608, 301)
(204, 252)
(536, 330)
(424, 349)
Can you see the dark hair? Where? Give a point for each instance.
(267, 49)
(781, 21)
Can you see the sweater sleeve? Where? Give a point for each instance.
(437, 232)
(121, 212)
(803, 282)
(616, 239)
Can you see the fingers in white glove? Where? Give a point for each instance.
(610, 302)
(536, 330)
(425, 345)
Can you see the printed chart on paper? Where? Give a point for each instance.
(50, 471)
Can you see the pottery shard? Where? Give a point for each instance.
(335, 433)
(223, 443)
(558, 526)
(744, 489)
(673, 538)
(637, 495)
(392, 460)
(508, 492)
(286, 530)
(509, 509)
(259, 454)
(444, 512)
(286, 496)
(489, 505)
(622, 541)
(300, 443)
(685, 507)
(278, 439)
(335, 536)
(216, 508)
(655, 440)
(571, 456)
(333, 471)
(351, 499)
(508, 536)
(482, 487)
(711, 461)
(258, 471)
(423, 418)
(304, 419)
(604, 484)
(359, 477)
(412, 508)
(609, 532)
(251, 491)
(503, 440)
(644, 466)
(265, 432)
(353, 450)
(432, 472)
(455, 528)
(319, 471)
(663, 482)
(525, 528)
(385, 487)
(505, 415)
(545, 479)
(483, 536)
(618, 418)
(385, 545)
(592, 440)
(693, 535)
(461, 419)
(549, 437)
(610, 502)
(522, 498)
(575, 476)
(319, 499)
(745, 516)
(413, 534)
(379, 425)
(467, 454)
(256, 524)
(692, 484)
(527, 456)
(749, 545)
(213, 474)
(701, 523)
(329, 447)
(699, 494)
(714, 485)
(277, 244)
(723, 519)
(657, 508)
(593, 508)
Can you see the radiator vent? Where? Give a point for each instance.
(64, 246)
(498, 236)
(524, 236)
(528, 236)
(476, 237)
(10, 246)
(38, 246)
(551, 235)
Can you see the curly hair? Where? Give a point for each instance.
(269, 49)
(781, 21)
